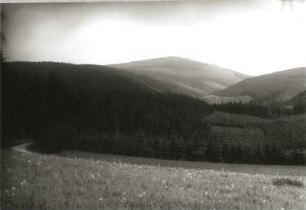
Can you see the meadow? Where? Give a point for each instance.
(200, 165)
(38, 181)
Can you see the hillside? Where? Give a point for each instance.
(180, 75)
(278, 86)
(299, 100)
(79, 106)
(273, 140)
(90, 77)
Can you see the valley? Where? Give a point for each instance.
(108, 138)
(110, 110)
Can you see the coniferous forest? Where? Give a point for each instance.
(96, 108)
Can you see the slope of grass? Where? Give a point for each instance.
(34, 181)
(181, 75)
(280, 86)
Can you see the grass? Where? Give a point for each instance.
(35, 181)
(231, 167)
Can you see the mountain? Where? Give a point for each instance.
(181, 75)
(278, 86)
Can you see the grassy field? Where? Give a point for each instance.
(35, 181)
(230, 167)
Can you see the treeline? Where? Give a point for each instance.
(258, 153)
(94, 108)
(268, 111)
(250, 108)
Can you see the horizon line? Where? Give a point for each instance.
(154, 58)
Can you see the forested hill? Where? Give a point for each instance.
(90, 77)
(39, 98)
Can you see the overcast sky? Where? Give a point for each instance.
(250, 36)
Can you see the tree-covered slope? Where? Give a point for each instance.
(48, 101)
(245, 138)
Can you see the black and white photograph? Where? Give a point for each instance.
(139, 104)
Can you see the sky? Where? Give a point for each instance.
(250, 36)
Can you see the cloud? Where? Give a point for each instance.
(253, 37)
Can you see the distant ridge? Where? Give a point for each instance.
(277, 86)
(181, 75)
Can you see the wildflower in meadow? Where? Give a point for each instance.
(123, 200)
(23, 183)
(143, 193)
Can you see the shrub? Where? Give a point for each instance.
(289, 182)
